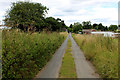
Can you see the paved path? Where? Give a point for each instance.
(83, 68)
(51, 70)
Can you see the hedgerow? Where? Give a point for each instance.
(24, 54)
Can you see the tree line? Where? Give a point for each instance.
(30, 16)
(78, 27)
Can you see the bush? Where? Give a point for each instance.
(102, 51)
(24, 54)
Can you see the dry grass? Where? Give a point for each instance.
(64, 33)
(102, 51)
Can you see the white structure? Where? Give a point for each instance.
(105, 34)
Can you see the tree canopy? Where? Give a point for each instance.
(53, 24)
(113, 27)
(86, 24)
(26, 15)
(77, 27)
(31, 16)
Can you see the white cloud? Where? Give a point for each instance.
(102, 11)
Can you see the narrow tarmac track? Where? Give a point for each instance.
(51, 70)
(83, 68)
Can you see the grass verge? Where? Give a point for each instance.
(102, 52)
(67, 69)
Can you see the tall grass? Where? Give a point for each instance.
(25, 54)
(102, 51)
(64, 33)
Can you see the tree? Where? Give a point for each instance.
(86, 25)
(76, 27)
(69, 29)
(26, 15)
(106, 28)
(71, 25)
(53, 24)
(113, 27)
(59, 20)
(95, 26)
(100, 27)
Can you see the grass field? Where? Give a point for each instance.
(68, 66)
(24, 54)
(102, 52)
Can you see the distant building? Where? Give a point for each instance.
(88, 31)
(106, 33)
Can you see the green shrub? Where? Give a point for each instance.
(24, 54)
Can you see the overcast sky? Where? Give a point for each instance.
(96, 11)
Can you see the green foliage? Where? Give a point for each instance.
(102, 51)
(25, 54)
(31, 17)
(71, 25)
(95, 26)
(86, 24)
(113, 27)
(77, 27)
(53, 24)
(100, 27)
(69, 29)
(26, 15)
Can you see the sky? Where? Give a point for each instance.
(96, 11)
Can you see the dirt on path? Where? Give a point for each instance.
(51, 70)
(84, 69)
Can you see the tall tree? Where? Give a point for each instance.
(95, 26)
(100, 27)
(113, 27)
(53, 24)
(106, 28)
(26, 15)
(71, 25)
(86, 25)
(77, 27)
